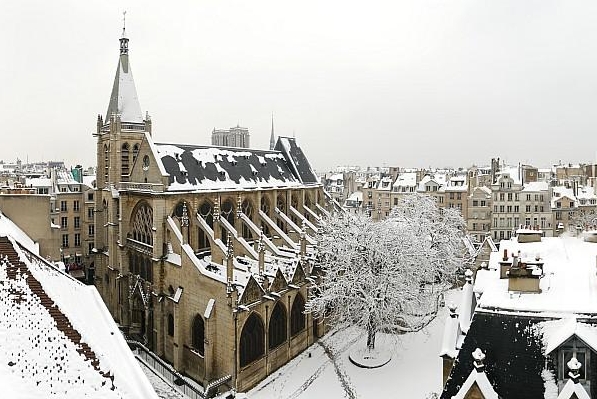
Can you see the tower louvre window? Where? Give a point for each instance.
(124, 161)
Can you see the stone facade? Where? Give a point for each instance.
(204, 253)
(233, 137)
(31, 212)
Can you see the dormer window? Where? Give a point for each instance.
(566, 354)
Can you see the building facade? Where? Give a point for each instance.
(204, 253)
(233, 137)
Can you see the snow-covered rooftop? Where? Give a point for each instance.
(536, 186)
(38, 182)
(213, 168)
(568, 284)
(408, 179)
(57, 338)
(123, 99)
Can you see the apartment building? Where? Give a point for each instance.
(478, 215)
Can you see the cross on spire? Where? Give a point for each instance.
(124, 42)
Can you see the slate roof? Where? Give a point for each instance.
(195, 167)
(514, 358)
(297, 159)
(123, 99)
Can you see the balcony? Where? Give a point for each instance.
(144, 187)
(139, 246)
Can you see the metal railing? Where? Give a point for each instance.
(166, 371)
(179, 382)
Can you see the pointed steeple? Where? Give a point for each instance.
(123, 100)
(272, 138)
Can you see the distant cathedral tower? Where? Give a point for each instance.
(272, 137)
(233, 137)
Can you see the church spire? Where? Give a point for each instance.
(123, 100)
(124, 42)
(272, 138)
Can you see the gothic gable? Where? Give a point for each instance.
(299, 275)
(146, 167)
(252, 292)
(279, 282)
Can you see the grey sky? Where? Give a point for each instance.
(418, 83)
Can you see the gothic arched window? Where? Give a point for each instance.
(277, 326)
(135, 151)
(198, 334)
(281, 203)
(227, 211)
(308, 200)
(143, 224)
(247, 208)
(206, 212)
(294, 201)
(124, 161)
(297, 317)
(252, 340)
(265, 206)
(170, 325)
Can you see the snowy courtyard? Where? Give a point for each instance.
(324, 370)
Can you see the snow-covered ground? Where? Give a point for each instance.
(415, 370)
(163, 390)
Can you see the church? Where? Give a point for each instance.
(204, 253)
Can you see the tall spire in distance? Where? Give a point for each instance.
(123, 100)
(272, 138)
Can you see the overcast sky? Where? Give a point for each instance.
(406, 83)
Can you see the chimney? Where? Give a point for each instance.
(505, 258)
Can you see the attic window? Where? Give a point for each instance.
(566, 355)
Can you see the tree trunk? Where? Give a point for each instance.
(371, 332)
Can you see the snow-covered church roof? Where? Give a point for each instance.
(57, 339)
(195, 167)
(199, 167)
(124, 100)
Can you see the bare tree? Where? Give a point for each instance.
(388, 275)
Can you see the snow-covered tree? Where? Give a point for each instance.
(388, 275)
(584, 219)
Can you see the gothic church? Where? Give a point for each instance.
(204, 253)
